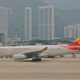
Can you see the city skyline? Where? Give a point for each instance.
(16, 18)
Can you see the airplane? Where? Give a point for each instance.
(38, 52)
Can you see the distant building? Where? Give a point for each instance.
(2, 38)
(46, 22)
(72, 31)
(4, 23)
(28, 23)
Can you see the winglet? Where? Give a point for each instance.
(45, 48)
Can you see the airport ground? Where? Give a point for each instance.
(65, 68)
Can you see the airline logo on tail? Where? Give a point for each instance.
(74, 46)
(76, 42)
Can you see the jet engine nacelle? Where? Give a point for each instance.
(19, 57)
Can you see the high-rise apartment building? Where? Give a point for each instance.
(28, 23)
(4, 22)
(46, 22)
(72, 31)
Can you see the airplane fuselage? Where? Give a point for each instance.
(52, 50)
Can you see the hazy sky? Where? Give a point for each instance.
(65, 4)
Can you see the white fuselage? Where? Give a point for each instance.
(53, 50)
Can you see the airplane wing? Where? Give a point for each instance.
(29, 54)
(35, 52)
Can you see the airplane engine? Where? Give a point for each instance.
(19, 57)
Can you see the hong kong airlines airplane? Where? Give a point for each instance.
(38, 52)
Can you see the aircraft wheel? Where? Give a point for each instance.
(40, 59)
(51, 56)
(62, 56)
(36, 59)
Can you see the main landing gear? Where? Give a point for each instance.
(36, 59)
(51, 56)
(62, 56)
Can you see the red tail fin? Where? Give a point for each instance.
(76, 42)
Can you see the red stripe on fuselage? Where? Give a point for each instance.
(71, 47)
(75, 44)
(20, 48)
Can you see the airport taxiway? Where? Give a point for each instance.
(65, 68)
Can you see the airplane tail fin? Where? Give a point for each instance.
(76, 42)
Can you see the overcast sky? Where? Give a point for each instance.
(65, 4)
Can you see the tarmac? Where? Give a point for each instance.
(59, 68)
